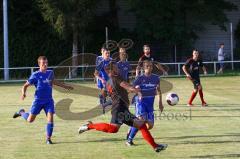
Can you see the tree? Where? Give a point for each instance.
(69, 18)
(178, 21)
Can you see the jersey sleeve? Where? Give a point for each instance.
(201, 63)
(137, 81)
(129, 67)
(32, 79)
(51, 76)
(187, 63)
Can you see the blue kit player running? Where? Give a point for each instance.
(149, 85)
(102, 76)
(123, 65)
(43, 80)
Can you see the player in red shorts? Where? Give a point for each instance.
(191, 69)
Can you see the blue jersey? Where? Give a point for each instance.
(101, 68)
(148, 85)
(43, 84)
(124, 68)
(99, 59)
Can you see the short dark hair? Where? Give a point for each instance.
(195, 50)
(41, 58)
(221, 44)
(146, 45)
(147, 61)
(105, 48)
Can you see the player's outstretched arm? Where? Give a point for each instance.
(63, 85)
(160, 67)
(129, 88)
(24, 90)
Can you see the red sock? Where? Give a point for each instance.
(201, 95)
(147, 136)
(108, 128)
(192, 97)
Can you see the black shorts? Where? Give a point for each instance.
(121, 115)
(196, 82)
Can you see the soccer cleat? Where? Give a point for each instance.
(84, 127)
(204, 104)
(161, 147)
(49, 142)
(18, 114)
(190, 105)
(129, 143)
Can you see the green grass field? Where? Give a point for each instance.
(212, 132)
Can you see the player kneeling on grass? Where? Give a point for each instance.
(191, 69)
(149, 85)
(118, 88)
(43, 81)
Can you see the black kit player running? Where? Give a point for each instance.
(192, 70)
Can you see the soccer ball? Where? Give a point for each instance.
(172, 99)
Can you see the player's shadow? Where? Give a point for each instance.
(201, 136)
(218, 156)
(207, 142)
(110, 140)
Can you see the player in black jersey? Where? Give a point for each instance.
(118, 90)
(147, 57)
(191, 68)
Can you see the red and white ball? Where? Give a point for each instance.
(172, 99)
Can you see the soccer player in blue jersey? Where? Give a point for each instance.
(123, 65)
(149, 85)
(99, 60)
(102, 77)
(43, 80)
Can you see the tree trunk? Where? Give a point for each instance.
(75, 51)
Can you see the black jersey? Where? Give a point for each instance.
(118, 94)
(193, 67)
(144, 58)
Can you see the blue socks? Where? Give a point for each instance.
(24, 115)
(132, 133)
(49, 129)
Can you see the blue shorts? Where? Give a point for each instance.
(145, 109)
(46, 105)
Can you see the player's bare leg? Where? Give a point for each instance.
(31, 118)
